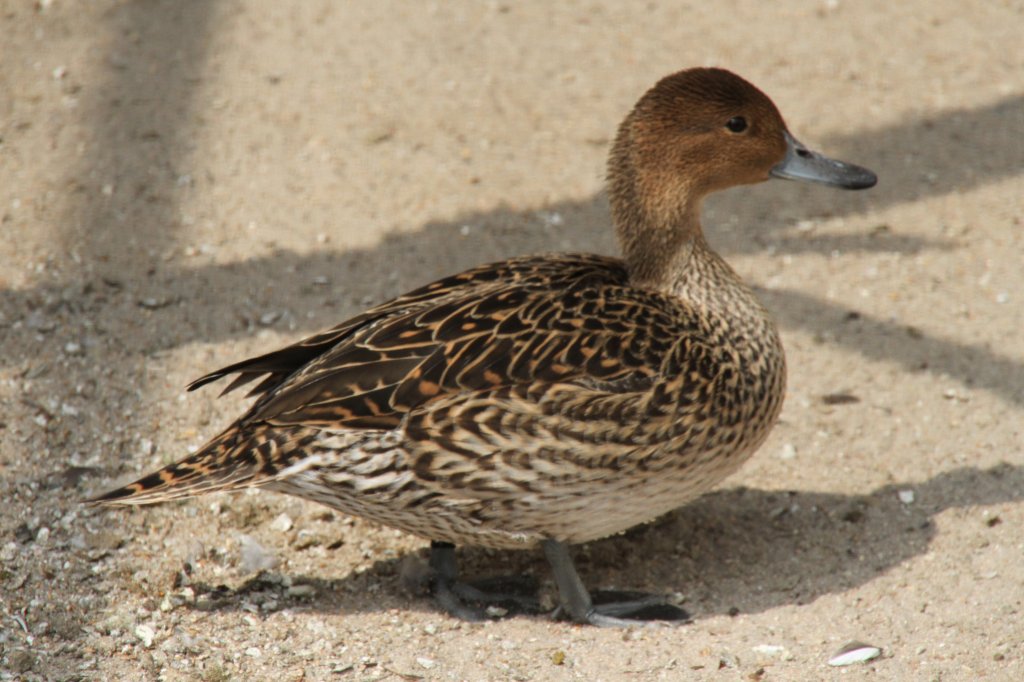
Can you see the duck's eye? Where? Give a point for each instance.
(736, 124)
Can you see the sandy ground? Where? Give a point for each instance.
(184, 184)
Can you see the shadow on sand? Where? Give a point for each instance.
(736, 550)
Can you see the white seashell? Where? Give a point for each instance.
(854, 652)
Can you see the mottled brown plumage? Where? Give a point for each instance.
(544, 399)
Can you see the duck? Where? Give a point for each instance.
(548, 400)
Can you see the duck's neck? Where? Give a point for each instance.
(658, 244)
(656, 213)
(664, 249)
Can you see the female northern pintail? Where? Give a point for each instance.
(542, 400)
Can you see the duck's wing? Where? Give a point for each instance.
(565, 318)
(276, 367)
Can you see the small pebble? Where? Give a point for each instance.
(282, 524)
(103, 539)
(727, 660)
(306, 539)
(633, 635)
(552, 218)
(267, 319)
(839, 399)
(788, 451)
(425, 662)
(379, 134)
(854, 652)
(145, 633)
(152, 303)
(253, 652)
(302, 590)
(255, 557)
(770, 649)
(906, 496)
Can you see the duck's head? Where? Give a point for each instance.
(699, 131)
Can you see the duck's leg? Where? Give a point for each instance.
(444, 581)
(624, 610)
(452, 595)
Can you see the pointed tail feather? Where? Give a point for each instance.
(231, 460)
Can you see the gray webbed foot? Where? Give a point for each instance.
(468, 601)
(609, 608)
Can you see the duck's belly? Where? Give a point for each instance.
(618, 503)
(369, 477)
